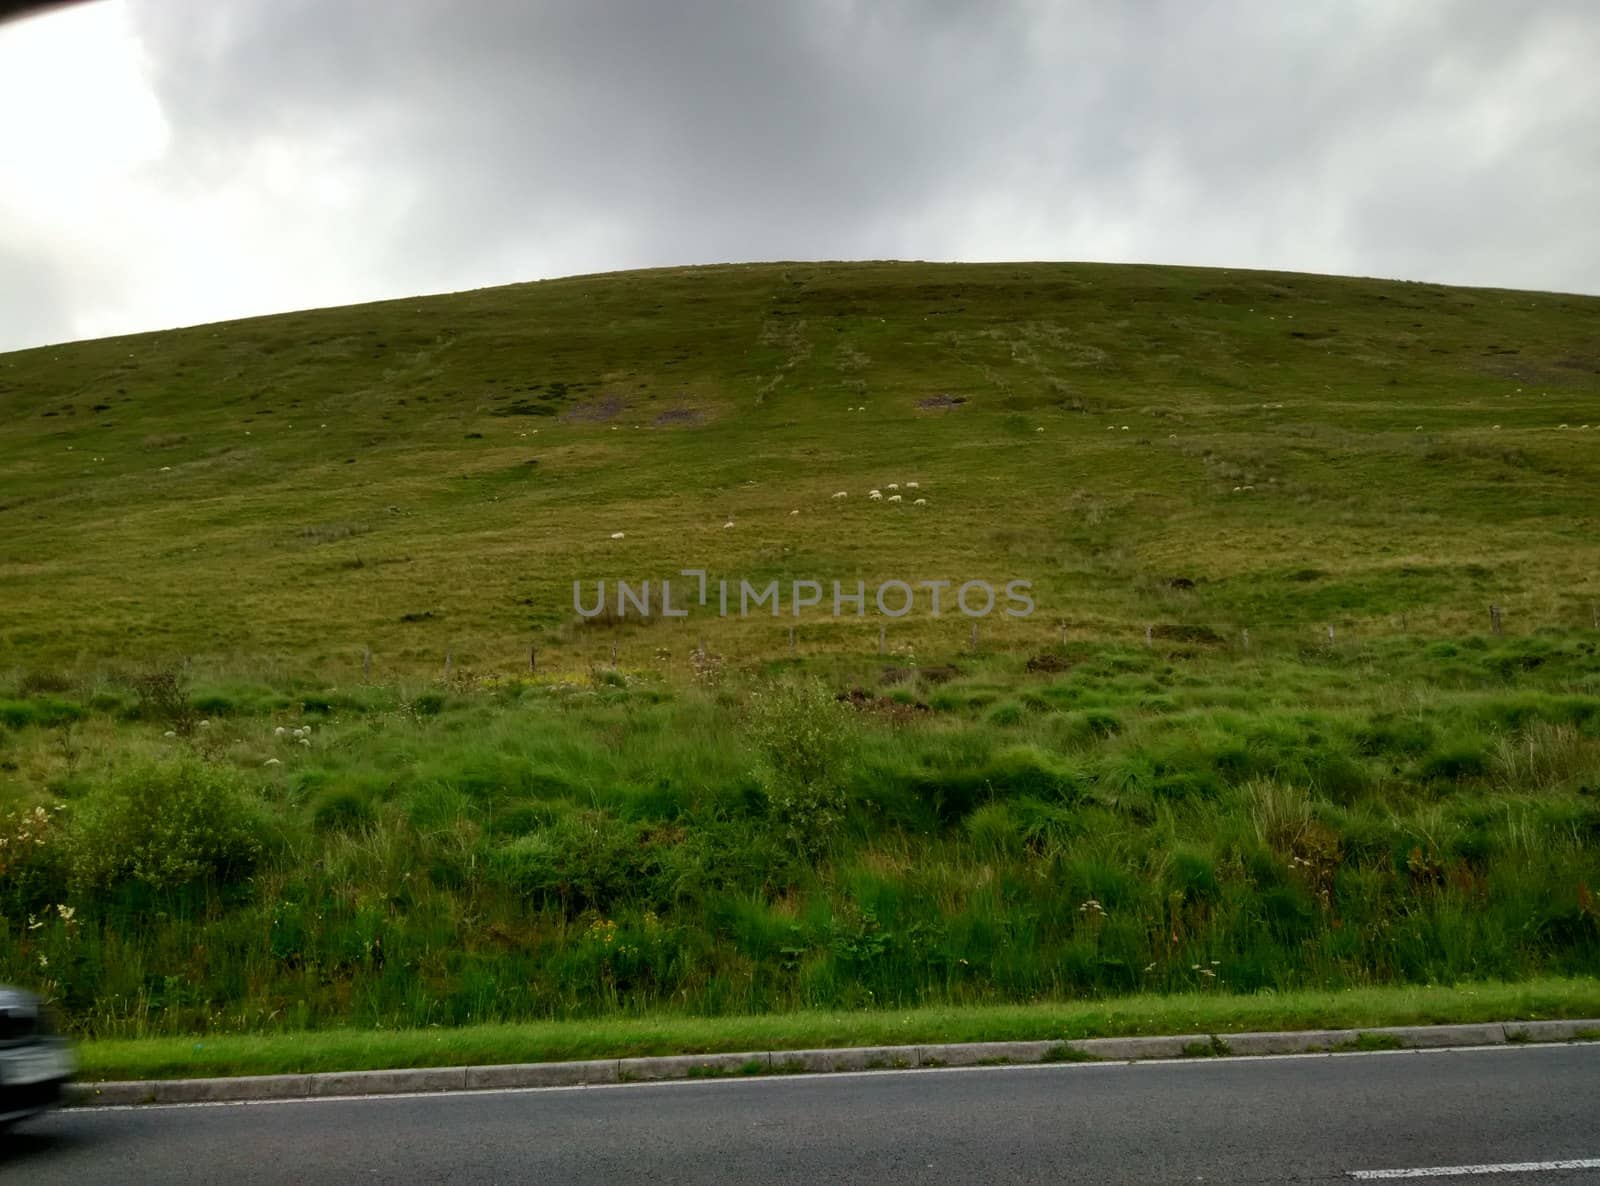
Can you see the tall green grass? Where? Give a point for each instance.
(1143, 821)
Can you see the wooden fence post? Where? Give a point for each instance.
(449, 663)
(1494, 618)
(533, 660)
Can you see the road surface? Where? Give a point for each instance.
(1510, 1114)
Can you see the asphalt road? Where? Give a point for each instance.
(1296, 1119)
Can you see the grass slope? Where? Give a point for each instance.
(1071, 812)
(432, 474)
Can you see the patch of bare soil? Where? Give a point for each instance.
(941, 403)
(1049, 664)
(680, 418)
(598, 410)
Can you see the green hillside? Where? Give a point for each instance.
(432, 474)
(214, 818)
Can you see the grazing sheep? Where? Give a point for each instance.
(1236, 489)
(842, 494)
(1124, 428)
(306, 741)
(166, 469)
(272, 762)
(921, 502)
(169, 733)
(279, 731)
(894, 498)
(911, 485)
(1038, 430)
(874, 494)
(894, 485)
(727, 525)
(205, 724)
(1566, 426)
(616, 535)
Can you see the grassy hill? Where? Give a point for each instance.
(432, 474)
(272, 838)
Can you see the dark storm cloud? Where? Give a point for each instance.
(492, 141)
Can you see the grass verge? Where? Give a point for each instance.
(350, 1050)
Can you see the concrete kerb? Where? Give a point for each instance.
(865, 1058)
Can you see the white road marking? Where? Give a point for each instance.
(1466, 1171)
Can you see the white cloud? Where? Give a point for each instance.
(186, 161)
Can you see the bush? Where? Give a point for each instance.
(803, 736)
(164, 696)
(165, 825)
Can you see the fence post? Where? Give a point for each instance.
(533, 660)
(613, 654)
(1330, 634)
(1147, 636)
(449, 662)
(1494, 618)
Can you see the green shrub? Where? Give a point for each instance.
(803, 736)
(165, 825)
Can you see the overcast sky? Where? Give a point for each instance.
(167, 162)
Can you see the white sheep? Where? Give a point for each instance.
(842, 494)
(727, 525)
(205, 724)
(911, 485)
(921, 502)
(894, 498)
(616, 535)
(894, 485)
(874, 494)
(169, 733)
(1566, 426)
(306, 741)
(279, 731)
(1038, 430)
(1124, 428)
(272, 762)
(794, 512)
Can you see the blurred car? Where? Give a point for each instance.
(35, 1062)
